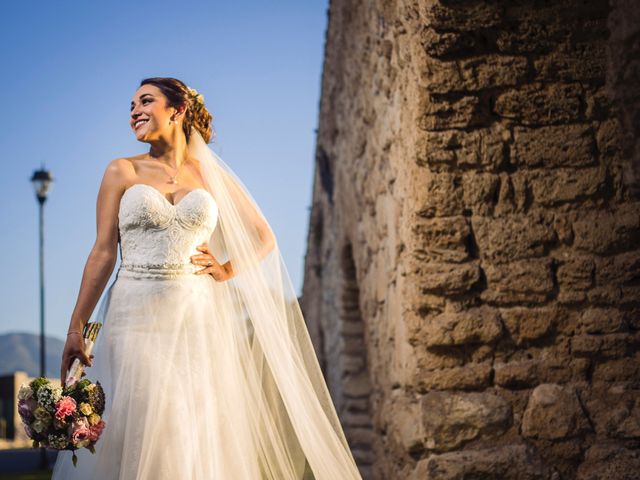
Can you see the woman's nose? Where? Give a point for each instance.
(135, 112)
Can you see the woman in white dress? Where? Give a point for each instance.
(206, 362)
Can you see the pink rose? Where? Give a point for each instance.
(80, 433)
(65, 407)
(96, 430)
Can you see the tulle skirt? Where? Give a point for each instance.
(167, 363)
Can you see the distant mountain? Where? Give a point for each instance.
(21, 351)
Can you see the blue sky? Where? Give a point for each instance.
(70, 70)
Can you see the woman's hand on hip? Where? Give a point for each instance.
(211, 265)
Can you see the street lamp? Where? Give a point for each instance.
(42, 181)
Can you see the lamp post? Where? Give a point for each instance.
(42, 181)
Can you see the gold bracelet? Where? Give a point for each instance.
(74, 331)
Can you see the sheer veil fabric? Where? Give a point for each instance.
(289, 414)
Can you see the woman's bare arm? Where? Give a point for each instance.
(103, 255)
(266, 240)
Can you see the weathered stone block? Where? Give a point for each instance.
(442, 195)
(613, 345)
(428, 361)
(450, 16)
(471, 376)
(512, 237)
(609, 461)
(448, 278)
(526, 324)
(406, 427)
(563, 370)
(618, 269)
(553, 412)
(528, 32)
(515, 375)
(442, 239)
(576, 275)
(541, 105)
(483, 148)
(624, 420)
(551, 188)
(452, 419)
(601, 320)
(599, 105)
(554, 146)
(477, 325)
(610, 138)
(513, 195)
(480, 149)
(605, 295)
(601, 231)
(586, 61)
(473, 74)
(447, 44)
(626, 369)
(438, 149)
(519, 281)
(479, 191)
(509, 462)
(443, 112)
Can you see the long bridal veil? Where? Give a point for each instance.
(284, 415)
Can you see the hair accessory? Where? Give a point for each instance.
(198, 97)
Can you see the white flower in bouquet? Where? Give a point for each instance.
(25, 392)
(58, 441)
(38, 426)
(48, 395)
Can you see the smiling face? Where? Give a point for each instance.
(151, 117)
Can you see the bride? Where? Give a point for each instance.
(206, 362)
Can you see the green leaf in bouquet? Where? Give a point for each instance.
(84, 383)
(38, 382)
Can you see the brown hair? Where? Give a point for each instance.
(177, 93)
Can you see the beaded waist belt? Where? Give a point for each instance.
(161, 270)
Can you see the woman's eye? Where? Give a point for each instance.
(144, 101)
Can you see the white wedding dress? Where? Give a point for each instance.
(206, 380)
(165, 358)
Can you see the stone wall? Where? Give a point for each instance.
(624, 77)
(472, 279)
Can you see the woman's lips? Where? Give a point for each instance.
(138, 125)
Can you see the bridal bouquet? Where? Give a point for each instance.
(63, 419)
(66, 418)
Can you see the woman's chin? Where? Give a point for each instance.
(140, 136)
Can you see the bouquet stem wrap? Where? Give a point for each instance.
(89, 334)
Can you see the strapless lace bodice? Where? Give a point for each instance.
(157, 237)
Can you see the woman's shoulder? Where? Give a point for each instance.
(126, 162)
(125, 165)
(121, 169)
